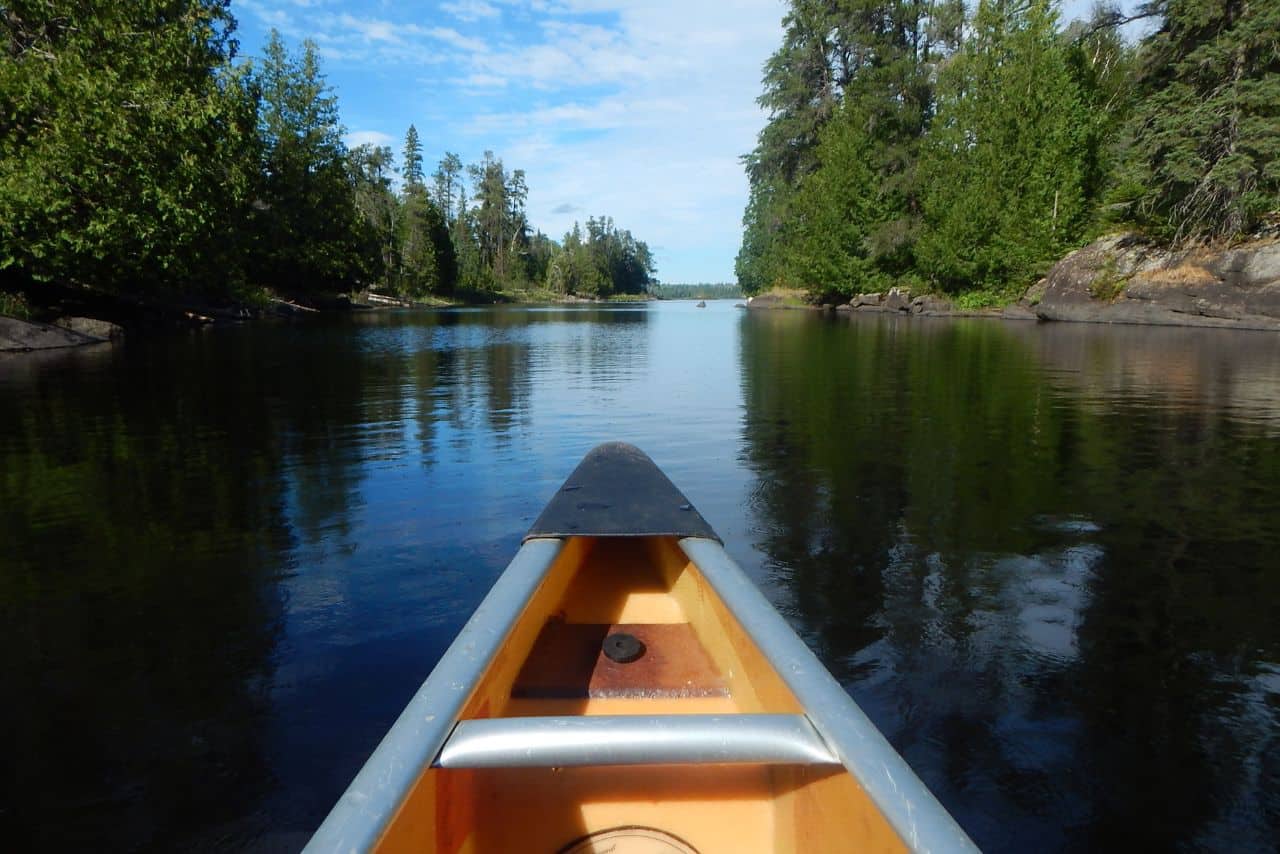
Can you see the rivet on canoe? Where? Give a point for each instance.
(622, 647)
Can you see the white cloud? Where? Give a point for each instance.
(659, 149)
(481, 81)
(470, 10)
(368, 137)
(451, 37)
(371, 29)
(639, 109)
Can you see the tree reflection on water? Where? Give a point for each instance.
(1042, 558)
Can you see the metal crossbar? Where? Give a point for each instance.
(562, 742)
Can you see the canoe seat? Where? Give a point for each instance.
(574, 741)
(567, 662)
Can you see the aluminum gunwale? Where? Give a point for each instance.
(361, 815)
(575, 741)
(922, 822)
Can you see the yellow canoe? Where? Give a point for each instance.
(625, 688)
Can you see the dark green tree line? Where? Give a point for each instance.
(910, 143)
(604, 261)
(127, 144)
(138, 156)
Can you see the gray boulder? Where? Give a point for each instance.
(100, 329)
(21, 335)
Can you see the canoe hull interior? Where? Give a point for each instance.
(697, 661)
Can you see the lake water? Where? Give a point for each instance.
(1044, 559)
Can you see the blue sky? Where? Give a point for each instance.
(638, 109)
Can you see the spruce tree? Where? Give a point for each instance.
(309, 230)
(1005, 166)
(1204, 156)
(412, 170)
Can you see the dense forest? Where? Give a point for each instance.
(964, 148)
(701, 290)
(140, 157)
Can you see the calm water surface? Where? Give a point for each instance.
(1044, 559)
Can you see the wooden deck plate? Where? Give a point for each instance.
(567, 663)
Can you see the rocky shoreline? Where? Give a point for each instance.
(1123, 278)
(21, 336)
(18, 335)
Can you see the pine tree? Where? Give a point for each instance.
(412, 170)
(448, 185)
(1005, 166)
(379, 209)
(1204, 156)
(310, 235)
(833, 213)
(873, 59)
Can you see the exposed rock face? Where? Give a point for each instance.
(100, 329)
(20, 335)
(898, 299)
(1127, 279)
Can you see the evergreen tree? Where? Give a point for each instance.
(1204, 157)
(1005, 165)
(379, 209)
(833, 212)
(491, 214)
(412, 171)
(870, 59)
(428, 263)
(126, 144)
(448, 185)
(310, 234)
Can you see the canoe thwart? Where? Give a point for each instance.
(574, 741)
(617, 491)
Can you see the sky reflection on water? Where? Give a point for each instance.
(1041, 557)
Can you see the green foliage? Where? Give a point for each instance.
(826, 237)
(1005, 161)
(701, 290)
(309, 237)
(898, 151)
(412, 158)
(1108, 283)
(988, 297)
(376, 206)
(136, 158)
(607, 261)
(14, 305)
(852, 79)
(127, 149)
(1204, 149)
(428, 264)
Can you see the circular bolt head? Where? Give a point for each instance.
(623, 648)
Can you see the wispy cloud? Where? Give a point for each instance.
(368, 137)
(470, 10)
(635, 108)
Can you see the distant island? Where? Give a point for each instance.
(702, 291)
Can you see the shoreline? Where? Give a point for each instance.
(1122, 279)
(88, 318)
